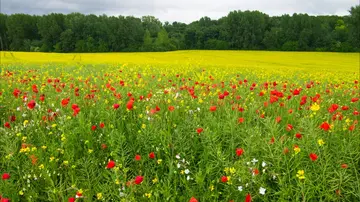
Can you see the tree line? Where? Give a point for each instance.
(239, 30)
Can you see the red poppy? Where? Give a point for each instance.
(224, 179)
(33, 159)
(272, 140)
(139, 179)
(286, 150)
(130, 105)
(65, 102)
(12, 118)
(71, 199)
(5, 199)
(7, 125)
(115, 106)
(313, 156)
(344, 165)
(193, 199)
(111, 164)
(325, 126)
(16, 92)
(248, 198)
(296, 91)
(352, 127)
(255, 171)
(333, 108)
(298, 136)
(289, 127)
(93, 128)
(199, 130)
(42, 98)
(239, 151)
(241, 120)
(103, 146)
(344, 108)
(171, 108)
(137, 157)
(152, 155)
(221, 96)
(31, 104)
(213, 108)
(355, 99)
(278, 119)
(102, 125)
(5, 176)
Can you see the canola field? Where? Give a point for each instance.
(184, 126)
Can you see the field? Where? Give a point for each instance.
(180, 126)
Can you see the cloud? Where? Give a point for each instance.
(180, 10)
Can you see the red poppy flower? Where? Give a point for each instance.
(344, 166)
(248, 198)
(221, 96)
(137, 157)
(355, 99)
(298, 136)
(42, 98)
(65, 102)
(289, 127)
(325, 126)
(239, 151)
(213, 108)
(130, 105)
(103, 146)
(272, 140)
(193, 199)
(352, 127)
(115, 106)
(111, 164)
(313, 156)
(12, 118)
(139, 179)
(286, 150)
(5, 176)
(7, 125)
(224, 179)
(241, 120)
(171, 108)
(102, 125)
(31, 104)
(93, 128)
(296, 91)
(16, 92)
(333, 108)
(199, 130)
(255, 171)
(344, 108)
(278, 119)
(152, 155)
(71, 199)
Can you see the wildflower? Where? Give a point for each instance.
(213, 108)
(211, 187)
(241, 120)
(298, 136)
(5, 176)
(93, 127)
(263, 164)
(224, 179)
(300, 174)
(344, 166)
(116, 106)
(155, 180)
(21, 193)
(192, 199)
(240, 188)
(315, 107)
(139, 179)
(313, 156)
(137, 157)
(99, 196)
(130, 105)
(31, 104)
(111, 164)
(297, 149)
(159, 161)
(325, 126)
(255, 171)
(239, 151)
(187, 171)
(254, 161)
(199, 130)
(7, 125)
(71, 199)
(262, 191)
(321, 142)
(248, 198)
(148, 195)
(289, 127)
(102, 125)
(65, 102)
(152, 155)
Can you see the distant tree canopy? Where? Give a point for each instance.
(239, 30)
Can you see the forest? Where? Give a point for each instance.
(239, 30)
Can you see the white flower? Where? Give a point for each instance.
(262, 191)
(188, 178)
(177, 156)
(24, 115)
(254, 161)
(187, 171)
(240, 188)
(274, 177)
(178, 165)
(18, 108)
(263, 164)
(198, 108)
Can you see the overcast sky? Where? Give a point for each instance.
(177, 10)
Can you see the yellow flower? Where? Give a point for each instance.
(155, 180)
(143, 126)
(232, 170)
(90, 151)
(211, 188)
(43, 147)
(24, 139)
(321, 142)
(159, 161)
(51, 159)
(99, 196)
(117, 181)
(41, 166)
(53, 125)
(315, 107)
(182, 172)
(297, 150)
(300, 174)
(25, 122)
(66, 163)
(148, 195)
(21, 193)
